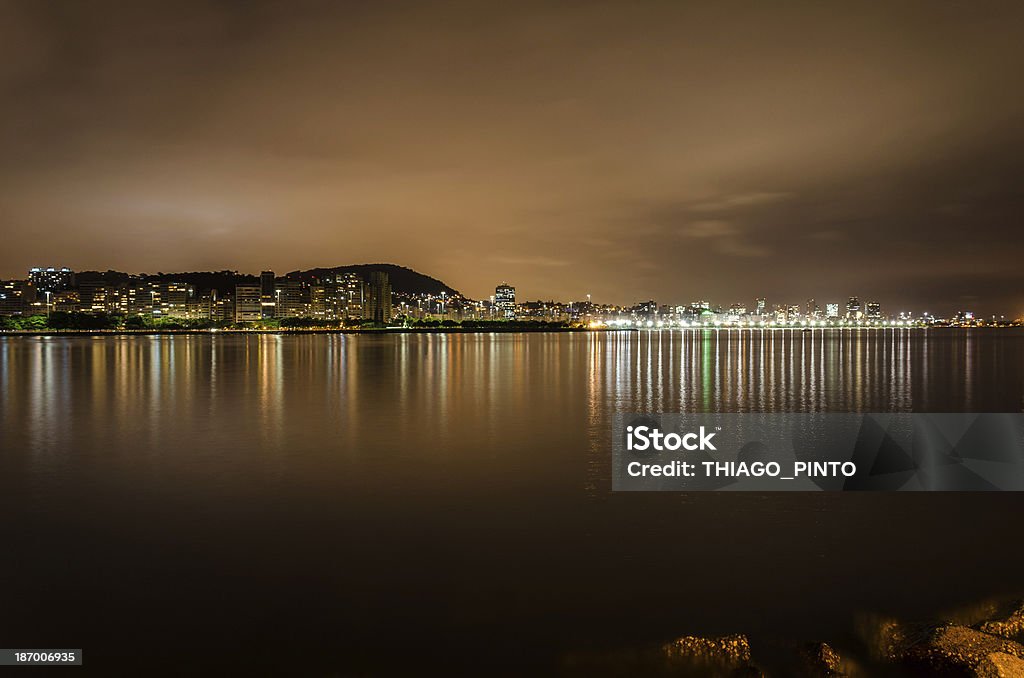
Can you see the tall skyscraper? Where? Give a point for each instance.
(505, 300)
(377, 306)
(832, 310)
(760, 305)
(874, 310)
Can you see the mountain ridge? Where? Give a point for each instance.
(404, 280)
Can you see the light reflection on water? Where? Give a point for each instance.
(459, 484)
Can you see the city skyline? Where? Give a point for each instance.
(937, 307)
(300, 292)
(581, 149)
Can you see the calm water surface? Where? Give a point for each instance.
(325, 504)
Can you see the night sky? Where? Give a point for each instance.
(628, 150)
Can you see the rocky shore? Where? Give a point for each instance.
(986, 641)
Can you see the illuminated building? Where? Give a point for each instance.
(353, 292)
(853, 307)
(832, 310)
(505, 300)
(16, 297)
(291, 299)
(174, 299)
(336, 298)
(156, 299)
(202, 307)
(65, 301)
(52, 279)
(874, 309)
(248, 305)
(95, 296)
(116, 298)
(377, 303)
(320, 301)
(267, 294)
(143, 298)
(760, 305)
(222, 308)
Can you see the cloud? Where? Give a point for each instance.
(739, 200)
(739, 247)
(724, 237)
(531, 261)
(708, 228)
(828, 236)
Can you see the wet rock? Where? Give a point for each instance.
(951, 648)
(726, 653)
(729, 649)
(821, 661)
(886, 638)
(691, 656)
(1011, 626)
(1000, 665)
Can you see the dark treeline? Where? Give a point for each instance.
(62, 320)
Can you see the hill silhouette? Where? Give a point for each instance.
(403, 280)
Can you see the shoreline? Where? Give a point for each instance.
(328, 330)
(467, 330)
